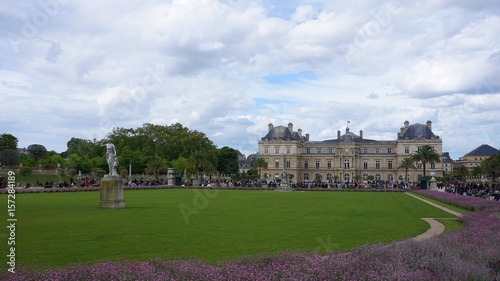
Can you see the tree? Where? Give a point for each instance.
(406, 164)
(425, 155)
(491, 166)
(8, 157)
(259, 164)
(180, 165)
(8, 141)
(37, 150)
(156, 166)
(198, 160)
(227, 160)
(461, 172)
(25, 172)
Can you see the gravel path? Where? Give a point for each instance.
(436, 227)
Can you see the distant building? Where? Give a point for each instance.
(246, 163)
(349, 156)
(475, 157)
(447, 163)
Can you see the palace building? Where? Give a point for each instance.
(348, 157)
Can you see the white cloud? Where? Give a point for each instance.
(94, 65)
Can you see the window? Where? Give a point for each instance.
(365, 177)
(317, 164)
(266, 150)
(346, 164)
(306, 164)
(276, 163)
(419, 165)
(347, 177)
(306, 176)
(308, 150)
(288, 150)
(377, 164)
(433, 166)
(389, 164)
(330, 150)
(329, 177)
(419, 148)
(329, 164)
(390, 177)
(377, 177)
(319, 150)
(277, 150)
(389, 150)
(365, 164)
(365, 150)
(377, 150)
(407, 149)
(288, 163)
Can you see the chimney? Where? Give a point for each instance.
(407, 124)
(429, 124)
(290, 127)
(299, 131)
(338, 134)
(270, 126)
(307, 137)
(361, 134)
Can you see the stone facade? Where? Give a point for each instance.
(349, 157)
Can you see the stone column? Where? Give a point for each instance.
(112, 192)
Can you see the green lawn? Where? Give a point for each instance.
(60, 228)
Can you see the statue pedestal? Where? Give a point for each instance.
(284, 187)
(433, 184)
(112, 193)
(170, 177)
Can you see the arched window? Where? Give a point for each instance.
(347, 177)
(365, 177)
(377, 177)
(390, 177)
(306, 176)
(329, 177)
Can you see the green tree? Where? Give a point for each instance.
(37, 151)
(406, 164)
(25, 172)
(8, 141)
(461, 172)
(156, 166)
(179, 165)
(491, 166)
(8, 157)
(198, 160)
(259, 164)
(425, 155)
(227, 162)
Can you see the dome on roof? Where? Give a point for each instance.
(282, 133)
(418, 131)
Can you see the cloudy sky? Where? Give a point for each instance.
(76, 68)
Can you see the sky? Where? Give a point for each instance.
(228, 68)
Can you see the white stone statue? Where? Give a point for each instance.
(111, 158)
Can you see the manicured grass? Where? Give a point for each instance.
(444, 204)
(60, 228)
(450, 224)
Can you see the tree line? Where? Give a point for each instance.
(147, 149)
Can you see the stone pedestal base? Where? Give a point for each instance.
(433, 184)
(112, 193)
(285, 188)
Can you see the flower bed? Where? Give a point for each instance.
(469, 253)
(467, 202)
